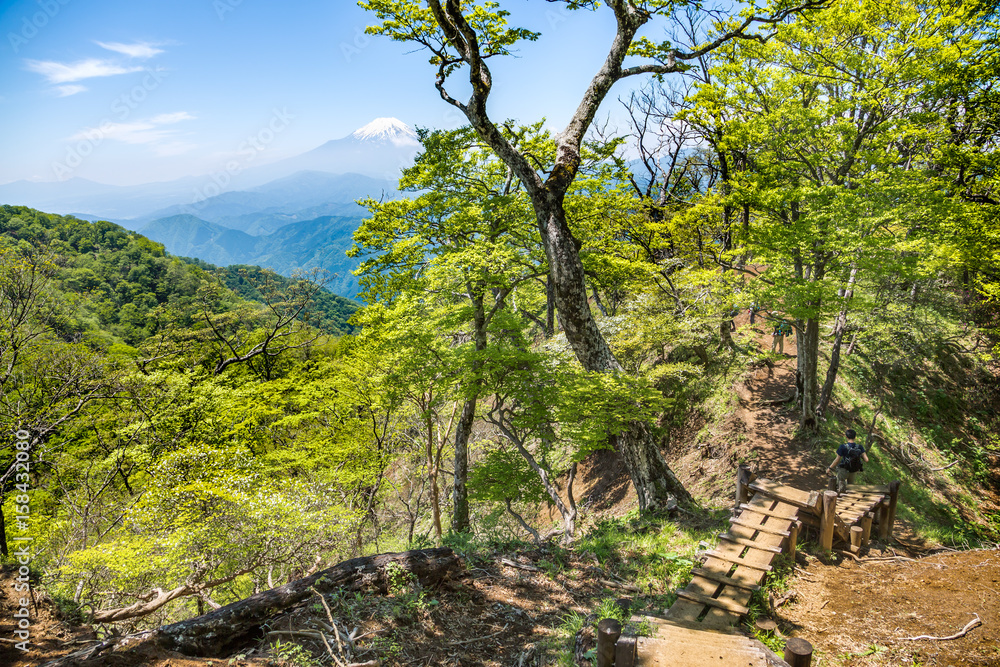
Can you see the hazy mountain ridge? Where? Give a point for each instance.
(376, 152)
(318, 243)
(298, 213)
(302, 196)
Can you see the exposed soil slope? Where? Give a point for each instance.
(859, 613)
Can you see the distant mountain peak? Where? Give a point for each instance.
(387, 129)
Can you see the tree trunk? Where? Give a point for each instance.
(570, 526)
(800, 344)
(570, 287)
(432, 477)
(854, 341)
(550, 309)
(726, 336)
(520, 519)
(655, 484)
(234, 626)
(3, 531)
(460, 490)
(808, 355)
(840, 326)
(568, 515)
(463, 430)
(831, 374)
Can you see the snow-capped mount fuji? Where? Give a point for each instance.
(381, 149)
(390, 130)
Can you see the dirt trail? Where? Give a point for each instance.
(769, 424)
(769, 427)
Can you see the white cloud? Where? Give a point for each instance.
(149, 131)
(72, 89)
(138, 50)
(84, 69)
(169, 118)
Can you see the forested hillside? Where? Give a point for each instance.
(117, 284)
(569, 343)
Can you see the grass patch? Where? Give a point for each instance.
(775, 582)
(655, 553)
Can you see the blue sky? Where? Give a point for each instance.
(126, 92)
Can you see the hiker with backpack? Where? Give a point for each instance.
(781, 329)
(850, 457)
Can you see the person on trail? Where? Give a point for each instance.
(848, 463)
(733, 312)
(781, 329)
(753, 311)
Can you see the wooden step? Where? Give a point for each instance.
(671, 652)
(870, 488)
(776, 513)
(861, 496)
(664, 625)
(728, 537)
(758, 527)
(854, 507)
(787, 494)
(738, 561)
(694, 633)
(848, 501)
(712, 575)
(713, 602)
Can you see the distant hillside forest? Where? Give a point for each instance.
(537, 299)
(117, 286)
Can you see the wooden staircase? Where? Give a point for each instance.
(719, 593)
(698, 629)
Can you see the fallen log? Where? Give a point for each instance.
(224, 630)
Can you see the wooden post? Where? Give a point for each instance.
(798, 652)
(625, 652)
(827, 520)
(856, 534)
(742, 486)
(893, 497)
(793, 538)
(866, 528)
(883, 520)
(608, 632)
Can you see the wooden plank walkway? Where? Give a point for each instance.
(852, 506)
(720, 590)
(684, 645)
(698, 629)
(858, 500)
